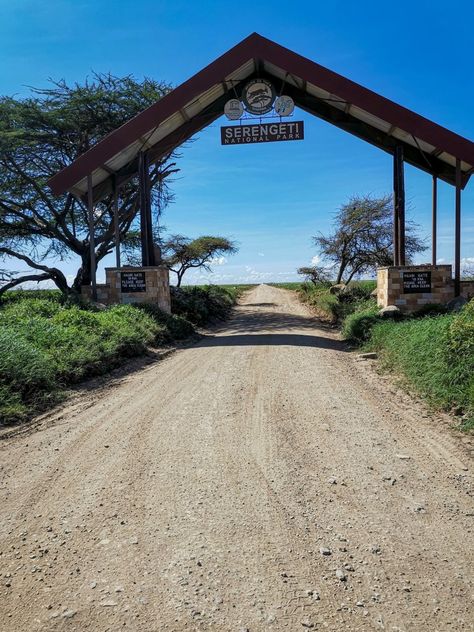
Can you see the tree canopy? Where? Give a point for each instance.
(316, 274)
(183, 253)
(363, 237)
(45, 132)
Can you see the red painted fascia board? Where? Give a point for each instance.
(257, 47)
(375, 104)
(129, 132)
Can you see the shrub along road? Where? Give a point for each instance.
(261, 479)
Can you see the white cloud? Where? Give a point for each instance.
(467, 263)
(218, 261)
(260, 254)
(315, 260)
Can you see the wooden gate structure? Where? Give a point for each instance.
(129, 151)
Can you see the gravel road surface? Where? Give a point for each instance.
(264, 478)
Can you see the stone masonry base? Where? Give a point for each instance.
(134, 285)
(397, 285)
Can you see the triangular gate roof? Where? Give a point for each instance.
(200, 100)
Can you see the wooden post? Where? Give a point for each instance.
(90, 214)
(116, 223)
(149, 219)
(457, 233)
(396, 220)
(434, 221)
(399, 202)
(143, 209)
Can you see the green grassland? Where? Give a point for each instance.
(47, 344)
(435, 356)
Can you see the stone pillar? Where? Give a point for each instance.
(135, 285)
(411, 287)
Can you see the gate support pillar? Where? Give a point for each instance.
(457, 232)
(116, 222)
(399, 207)
(146, 224)
(434, 221)
(90, 218)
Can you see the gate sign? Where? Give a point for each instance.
(261, 133)
(416, 282)
(132, 282)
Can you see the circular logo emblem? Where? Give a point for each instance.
(284, 106)
(233, 109)
(258, 96)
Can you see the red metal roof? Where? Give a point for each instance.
(199, 100)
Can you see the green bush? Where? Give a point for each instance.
(47, 344)
(29, 307)
(357, 327)
(416, 349)
(15, 296)
(200, 305)
(12, 407)
(24, 369)
(357, 292)
(174, 327)
(435, 355)
(431, 309)
(337, 307)
(459, 355)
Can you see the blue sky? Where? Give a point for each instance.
(270, 198)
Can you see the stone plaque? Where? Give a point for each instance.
(132, 282)
(417, 282)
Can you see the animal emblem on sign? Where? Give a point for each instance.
(258, 96)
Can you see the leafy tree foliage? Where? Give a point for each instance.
(182, 253)
(316, 274)
(45, 132)
(363, 237)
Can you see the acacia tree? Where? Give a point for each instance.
(316, 274)
(363, 237)
(182, 253)
(45, 132)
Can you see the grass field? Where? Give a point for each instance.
(47, 345)
(435, 356)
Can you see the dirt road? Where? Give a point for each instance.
(261, 479)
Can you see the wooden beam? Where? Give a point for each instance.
(457, 231)
(116, 223)
(148, 214)
(399, 201)
(349, 123)
(396, 218)
(90, 216)
(143, 209)
(434, 222)
(164, 146)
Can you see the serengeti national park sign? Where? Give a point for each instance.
(259, 98)
(261, 133)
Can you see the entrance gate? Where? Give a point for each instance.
(131, 149)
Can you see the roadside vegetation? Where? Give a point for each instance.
(202, 304)
(432, 351)
(435, 357)
(48, 344)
